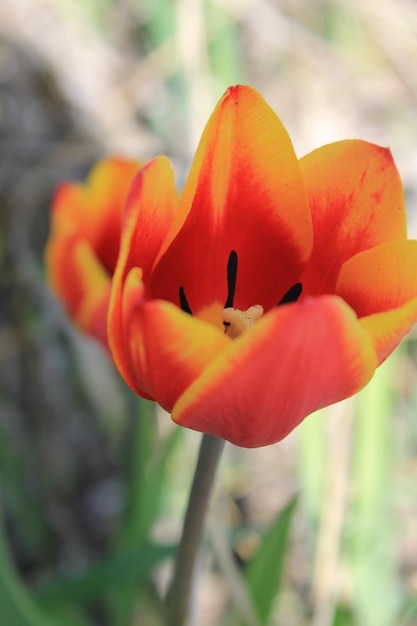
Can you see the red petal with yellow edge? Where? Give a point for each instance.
(244, 193)
(149, 212)
(295, 360)
(81, 282)
(380, 279)
(150, 209)
(96, 207)
(388, 329)
(356, 201)
(167, 348)
(126, 359)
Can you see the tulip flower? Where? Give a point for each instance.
(82, 250)
(270, 287)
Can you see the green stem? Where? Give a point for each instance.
(178, 599)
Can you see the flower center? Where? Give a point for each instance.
(237, 321)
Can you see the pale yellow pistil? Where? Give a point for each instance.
(237, 321)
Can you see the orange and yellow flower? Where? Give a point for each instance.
(271, 287)
(82, 250)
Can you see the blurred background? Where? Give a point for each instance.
(81, 80)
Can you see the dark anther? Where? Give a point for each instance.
(231, 279)
(292, 294)
(231, 283)
(184, 302)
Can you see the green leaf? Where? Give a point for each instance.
(141, 498)
(17, 607)
(225, 48)
(312, 460)
(67, 615)
(370, 539)
(110, 573)
(263, 574)
(161, 23)
(343, 617)
(146, 468)
(27, 513)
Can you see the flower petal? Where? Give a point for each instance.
(380, 279)
(295, 360)
(81, 282)
(167, 348)
(149, 211)
(389, 328)
(381, 286)
(356, 201)
(96, 207)
(244, 193)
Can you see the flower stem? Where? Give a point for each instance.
(178, 598)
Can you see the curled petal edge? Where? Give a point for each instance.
(387, 329)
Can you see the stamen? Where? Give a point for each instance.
(292, 294)
(184, 302)
(231, 279)
(237, 321)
